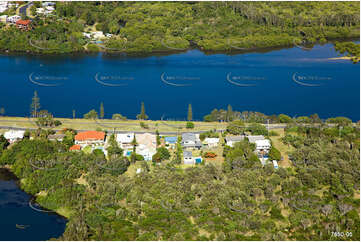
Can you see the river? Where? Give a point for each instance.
(293, 81)
(14, 209)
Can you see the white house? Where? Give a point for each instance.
(211, 142)
(50, 8)
(275, 164)
(3, 6)
(263, 145)
(87, 35)
(14, 135)
(98, 34)
(231, 140)
(188, 158)
(146, 145)
(125, 140)
(46, 4)
(40, 10)
(146, 152)
(3, 18)
(13, 19)
(191, 140)
(254, 138)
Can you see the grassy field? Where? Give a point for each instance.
(118, 125)
(284, 149)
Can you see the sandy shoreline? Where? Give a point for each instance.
(341, 58)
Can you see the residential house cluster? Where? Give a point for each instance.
(146, 144)
(16, 19)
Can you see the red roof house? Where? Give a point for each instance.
(23, 24)
(75, 147)
(89, 137)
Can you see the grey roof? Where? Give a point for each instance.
(187, 154)
(197, 144)
(189, 137)
(235, 138)
(253, 138)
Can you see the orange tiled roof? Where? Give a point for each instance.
(23, 22)
(75, 147)
(90, 135)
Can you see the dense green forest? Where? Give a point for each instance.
(240, 200)
(173, 26)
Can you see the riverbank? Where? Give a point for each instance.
(8, 174)
(23, 222)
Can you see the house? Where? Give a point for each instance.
(56, 137)
(275, 164)
(146, 145)
(97, 34)
(263, 145)
(87, 35)
(23, 24)
(231, 140)
(47, 4)
(188, 158)
(3, 6)
(40, 10)
(3, 18)
(125, 140)
(171, 141)
(14, 135)
(75, 147)
(50, 8)
(93, 138)
(211, 142)
(191, 141)
(254, 138)
(13, 19)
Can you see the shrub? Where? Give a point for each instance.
(190, 125)
(144, 125)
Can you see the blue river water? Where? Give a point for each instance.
(15, 210)
(293, 81)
